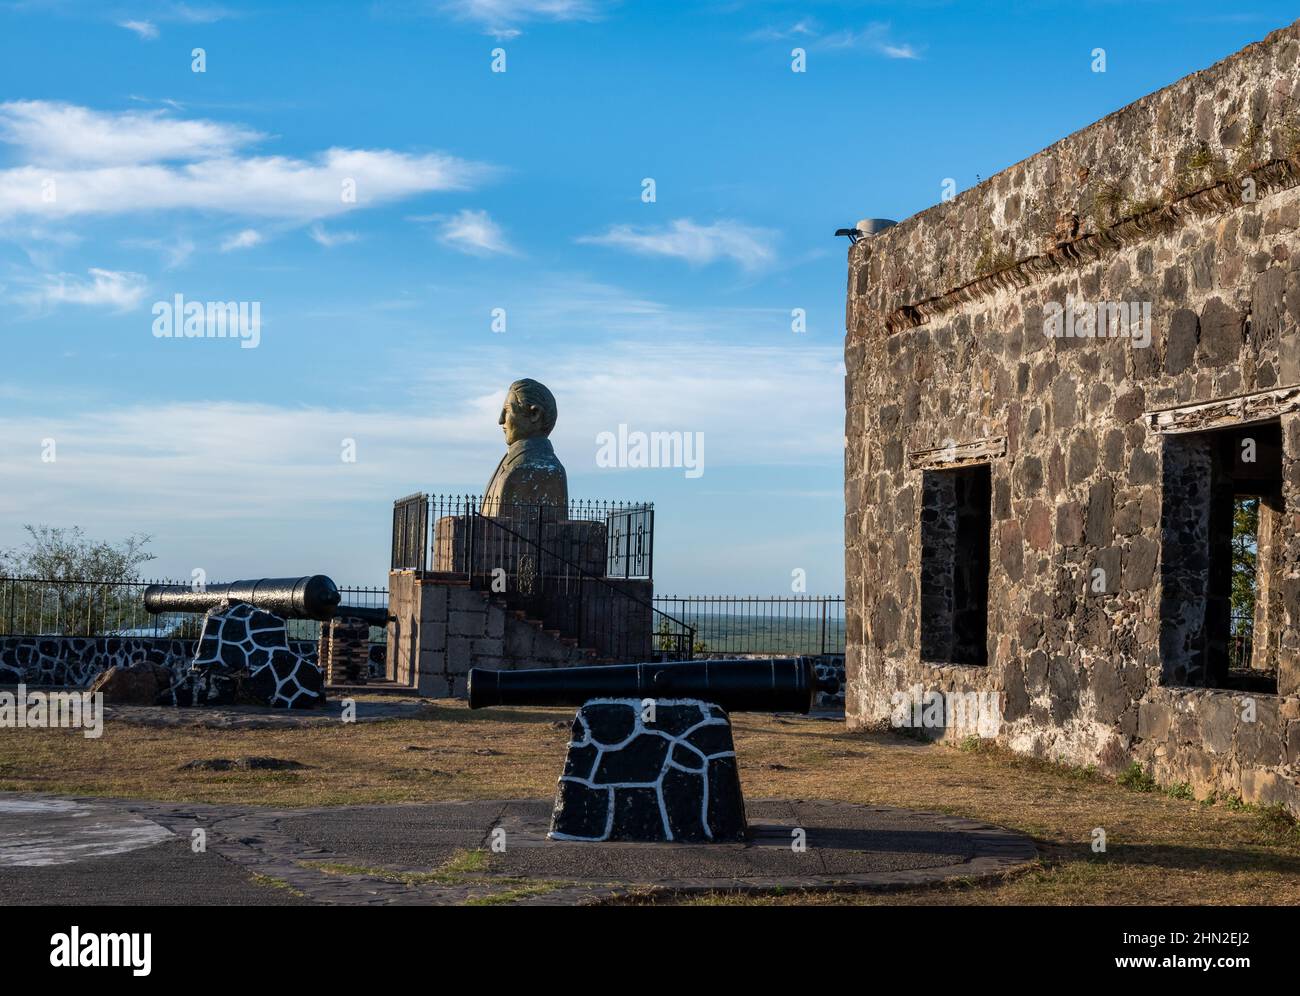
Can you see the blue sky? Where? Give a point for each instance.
(518, 190)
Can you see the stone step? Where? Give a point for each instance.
(369, 688)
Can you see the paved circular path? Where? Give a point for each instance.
(443, 853)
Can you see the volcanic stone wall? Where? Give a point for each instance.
(78, 661)
(1184, 207)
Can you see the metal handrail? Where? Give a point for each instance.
(587, 575)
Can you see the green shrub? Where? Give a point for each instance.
(1135, 777)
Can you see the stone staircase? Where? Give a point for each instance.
(442, 627)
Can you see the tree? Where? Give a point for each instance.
(1245, 556)
(61, 582)
(1245, 553)
(668, 638)
(58, 553)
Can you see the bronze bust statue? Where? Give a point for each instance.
(529, 473)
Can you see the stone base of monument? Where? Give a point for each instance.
(650, 771)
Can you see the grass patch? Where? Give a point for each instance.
(465, 868)
(461, 867)
(1107, 200)
(516, 893)
(1277, 824)
(991, 259)
(1136, 207)
(271, 882)
(1135, 777)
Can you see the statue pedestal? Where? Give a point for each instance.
(480, 544)
(652, 771)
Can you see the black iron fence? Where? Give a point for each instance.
(359, 596)
(71, 607)
(738, 624)
(583, 569)
(606, 538)
(551, 572)
(1241, 640)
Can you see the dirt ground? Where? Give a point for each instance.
(1160, 848)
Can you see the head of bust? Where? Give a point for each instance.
(529, 411)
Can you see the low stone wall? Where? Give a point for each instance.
(78, 660)
(1224, 743)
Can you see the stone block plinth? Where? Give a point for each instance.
(650, 771)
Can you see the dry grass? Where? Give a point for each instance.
(1161, 849)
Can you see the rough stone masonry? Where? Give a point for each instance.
(1039, 502)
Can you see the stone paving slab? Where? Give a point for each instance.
(391, 855)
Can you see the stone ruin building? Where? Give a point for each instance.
(1047, 519)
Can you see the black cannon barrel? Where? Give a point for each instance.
(313, 597)
(368, 613)
(782, 684)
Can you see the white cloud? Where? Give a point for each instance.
(331, 239)
(874, 37)
(190, 14)
(56, 135)
(903, 51)
(270, 187)
(105, 163)
(805, 28)
(175, 252)
(501, 17)
(747, 245)
(145, 29)
(115, 289)
(245, 239)
(475, 233)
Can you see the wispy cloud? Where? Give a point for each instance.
(245, 239)
(196, 13)
(117, 290)
(750, 246)
(900, 51)
(331, 239)
(145, 29)
(175, 252)
(875, 37)
(474, 233)
(502, 18)
(806, 28)
(104, 163)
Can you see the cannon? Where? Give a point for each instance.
(313, 597)
(783, 684)
(651, 756)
